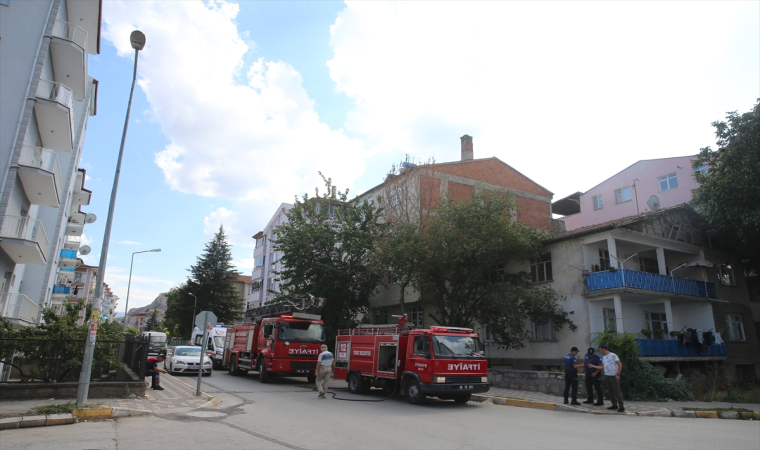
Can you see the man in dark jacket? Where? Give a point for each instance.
(593, 377)
(571, 375)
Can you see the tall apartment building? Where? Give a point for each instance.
(266, 260)
(47, 99)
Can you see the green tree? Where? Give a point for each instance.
(212, 282)
(729, 188)
(470, 246)
(153, 323)
(326, 243)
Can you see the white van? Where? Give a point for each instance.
(215, 346)
(156, 341)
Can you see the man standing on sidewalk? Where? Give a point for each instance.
(593, 377)
(571, 375)
(324, 370)
(612, 370)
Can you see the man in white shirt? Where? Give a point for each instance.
(612, 368)
(324, 370)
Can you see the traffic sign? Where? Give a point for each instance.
(203, 318)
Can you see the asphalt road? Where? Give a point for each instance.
(287, 414)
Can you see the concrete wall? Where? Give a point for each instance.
(534, 381)
(98, 389)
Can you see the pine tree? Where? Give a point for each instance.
(212, 282)
(152, 322)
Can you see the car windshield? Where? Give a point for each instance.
(458, 346)
(187, 352)
(158, 339)
(302, 332)
(219, 341)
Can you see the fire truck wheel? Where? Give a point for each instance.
(355, 384)
(311, 378)
(263, 374)
(413, 392)
(233, 370)
(464, 398)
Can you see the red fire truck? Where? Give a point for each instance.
(282, 338)
(445, 362)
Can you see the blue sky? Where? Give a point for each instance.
(240, 104)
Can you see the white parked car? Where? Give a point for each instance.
(186, 359)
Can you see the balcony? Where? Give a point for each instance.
(41, 175)
(68, 259)
(87, 14)
(61, 291)
(24, 240)
(72, 242)
(68, 49)
(54, 113)
(633, 279)
(672, 349)
(18, 308)
(80, 196)
(75, 225)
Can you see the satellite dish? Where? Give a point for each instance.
(653, 203)
(90, 218)
(84, 250)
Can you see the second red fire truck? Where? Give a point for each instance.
(445, 362)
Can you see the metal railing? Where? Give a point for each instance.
(50, 90)
(42, 158)
(18, 307)
(58, 289)
(609, 279)
(71, 32)
(67, 253)
(25, 228)
(73, 240)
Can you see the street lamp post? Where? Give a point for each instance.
(137, 39)
(192, 321)
(129, 285)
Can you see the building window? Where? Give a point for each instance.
(610, 320)
(726, 275)
(668, 182)
(270, 284)
(656, 321)
(623, 195)
(701, 169)
(735, 327)
(648, 265)
(261, 241)
(598, 204)
(490, 335)
(393, 197)
(256, 285)
(414, 314)
(604, 259)
(496, 273)
(541, 268)
(258, 262)
(544, 331)
(381, 316)
(334, 210)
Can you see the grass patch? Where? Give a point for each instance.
(58, 408)
(720, 410)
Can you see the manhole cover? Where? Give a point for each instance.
(206, 414)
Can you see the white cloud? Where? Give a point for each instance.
(143, 290)
(567, 92)
(258, 143)
(129, 243)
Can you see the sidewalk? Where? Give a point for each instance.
(178, 395)
(630, 407)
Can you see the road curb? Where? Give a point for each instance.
(211, 399)
(93, 414)
(656, 413)
(36, 421)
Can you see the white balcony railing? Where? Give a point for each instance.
(71, 32)
(73, 240)
(19, 307)
(41, 158)
(25, 228)
(50, 90)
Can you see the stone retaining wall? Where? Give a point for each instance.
(534, 381)
(68, 390)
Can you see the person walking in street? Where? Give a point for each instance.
(571, 375)
(153, 370)
(324, 370)
(593, 377)
(612, 369)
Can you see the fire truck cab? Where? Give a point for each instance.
(444, 362)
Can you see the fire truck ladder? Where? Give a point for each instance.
(308, 305)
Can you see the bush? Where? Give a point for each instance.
(640, 380)
(716, 386)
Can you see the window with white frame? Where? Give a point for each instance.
(598, 203)
(610, 320)
(701, 169)
(726, 275)
(541, 268)
(604, 259)
(623, 195)
(414, 315)
(261, 241)
(257, 284)
(656, 321)
(668, 182)
(544, 331)
(735, 327)
(334, 210)
(490, 335)
(258, 262)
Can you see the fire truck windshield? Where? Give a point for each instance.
(302, 332)
(458, 346)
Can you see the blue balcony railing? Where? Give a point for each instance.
(610, 279)
(61, 289)
(65, 253)
(669, 347)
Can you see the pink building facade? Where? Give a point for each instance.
(644, 186)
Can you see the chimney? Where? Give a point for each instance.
(466, 147)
